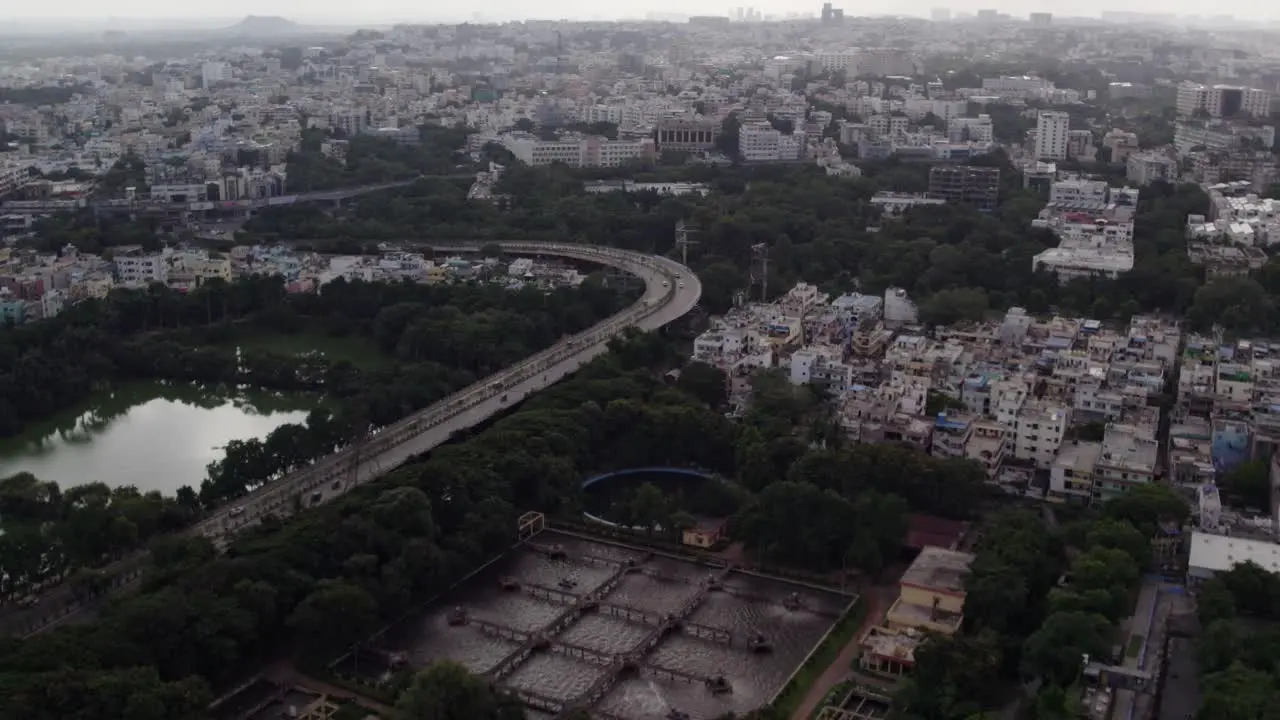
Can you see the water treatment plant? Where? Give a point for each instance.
(564, 621)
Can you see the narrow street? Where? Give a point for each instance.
(878, 600)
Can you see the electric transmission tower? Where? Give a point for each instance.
(683, 242)
(760, 269)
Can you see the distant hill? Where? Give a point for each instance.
(258, 25)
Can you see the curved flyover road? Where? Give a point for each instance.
(671, 290)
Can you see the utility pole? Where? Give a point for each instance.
(683, 242)
(760, 269)
(361, 422)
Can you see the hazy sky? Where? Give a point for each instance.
(383, 11)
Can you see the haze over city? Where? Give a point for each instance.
(643, 361)
(154, 13)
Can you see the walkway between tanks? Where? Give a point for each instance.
(879, 599)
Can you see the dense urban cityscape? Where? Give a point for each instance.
(798, 366)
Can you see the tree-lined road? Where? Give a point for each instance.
(671, 290)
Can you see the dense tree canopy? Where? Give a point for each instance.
(1038, 599)
(330, 574)
(441, 338)
(1239, 643)
(955, 261)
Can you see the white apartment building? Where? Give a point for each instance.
(760, 142)
(1016, 85)
(1128, 460)
(1038, 432)
(212, 72)
(1095, 257)
(1078, 191)
(946, 110)
(1052, 131)
(141, 270)
(1222, 100)
(1071, 474)
(1220, 136)
(732, 348)
(1005, 400)
(823, 366)
(888, 125)
(1144, 168)
(578, 151)
(979, 129)
(13, 177)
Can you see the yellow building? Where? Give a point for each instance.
(931, 593)
(705, 534)
(930, 599)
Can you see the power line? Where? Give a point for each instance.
(683, 242)
(760, 271)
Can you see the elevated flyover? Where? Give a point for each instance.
(671, 290)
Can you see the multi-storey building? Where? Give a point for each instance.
(971, 129)
(761, 142)
(1071, 476)
(1078, 191)
(1052, 133)
(688, 133)
(1144, 168)
(578, 150)
(13, 177)
(136, 270)
(1128, 459)
(1222, 100)
(1039, 430)
(966, 184)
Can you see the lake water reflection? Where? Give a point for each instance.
(155, 436)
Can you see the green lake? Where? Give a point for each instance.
(155, 436)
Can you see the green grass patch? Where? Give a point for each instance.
(844, 631)
(355, 349)
(1135, 645)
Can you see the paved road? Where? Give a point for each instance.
(879, 599)
(671, 290)
(117, 204)
(1156, 601)
(59, 605)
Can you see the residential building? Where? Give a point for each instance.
(931, 593)
(1071, 476)
(1122, 144)
(1144, 168)
(14, 176)
(1079, 191)
(931, 598)
(141, 269)
(1222, 100)
(1039, 430)
(971, 129)
(761, 142)
(821, 366)
(213, 72)
(578, 150)
(1052, 133)
(1128, 459)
